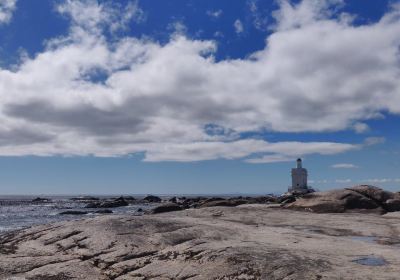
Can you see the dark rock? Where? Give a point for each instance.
(211, 199)
(262, 199)
(93, 205)
(119, 202)
(139, 210)
(152, 199)
(73, 212)
(226, 202)
(286, 198)
(129, 198)
(168, 207)
(40, 199)
(173, 200)
(104, 211)
(392, 205)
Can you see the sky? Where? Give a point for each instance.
(197, 97)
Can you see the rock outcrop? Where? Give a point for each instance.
(152, 199)
(167, 207)
(244, 242)
(361, 198)
(119, 202)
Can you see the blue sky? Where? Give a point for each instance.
(189, 96)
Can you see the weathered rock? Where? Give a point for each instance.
(73, 212)
(152, 199)
(168, 207)
(359, 198)
(245, 242)
(373, 193)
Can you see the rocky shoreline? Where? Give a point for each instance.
(263, 239)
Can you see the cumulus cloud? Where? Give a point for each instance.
(344, 165)
(7, 8)
(86, 94)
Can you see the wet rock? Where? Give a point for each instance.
(73, 212)
(168, 207)
(152, 199)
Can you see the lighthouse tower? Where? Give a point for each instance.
(299, 178)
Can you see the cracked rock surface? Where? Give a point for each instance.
(244, 242)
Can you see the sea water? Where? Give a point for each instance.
(18, 212)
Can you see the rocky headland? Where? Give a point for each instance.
(341, 234)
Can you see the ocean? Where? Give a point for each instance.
(18, 212)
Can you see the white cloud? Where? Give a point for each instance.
(214, 13)
(343, 181)
(178, 27)
(378, 180)
(7, 7)
(370, 141)
(361, 127)
(93, 16)
(238, 25)
(86, 95)
(260, 21)
(344, 165)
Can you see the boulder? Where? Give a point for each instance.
(168, 207)
(359, 199)
(152, 199)
(373, 193)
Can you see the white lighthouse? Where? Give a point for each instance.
(299, 178)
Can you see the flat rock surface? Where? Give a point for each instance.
(244, 242)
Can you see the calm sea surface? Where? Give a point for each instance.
(20, 211)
